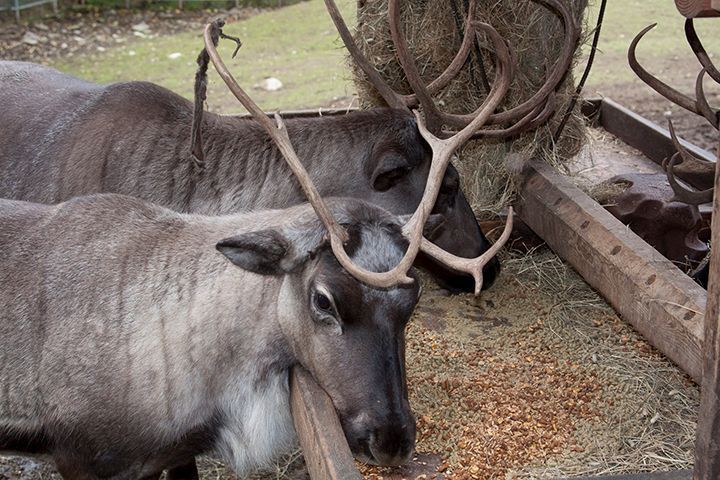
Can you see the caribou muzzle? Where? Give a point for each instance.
(389, 442)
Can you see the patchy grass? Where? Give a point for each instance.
(662, 51)
(297, 44)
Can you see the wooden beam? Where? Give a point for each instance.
(676, 475)
(651, 293)
(707, 444)
(307, 112)
(322, 440)
(639, 132)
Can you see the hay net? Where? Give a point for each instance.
(488, 167)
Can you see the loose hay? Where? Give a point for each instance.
(540, 379)
(487, 167)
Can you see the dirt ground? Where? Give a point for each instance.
(81, 33)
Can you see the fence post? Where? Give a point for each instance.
(707, 444)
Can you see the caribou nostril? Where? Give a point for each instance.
(393, 445)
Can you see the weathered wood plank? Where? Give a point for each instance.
(323, 443)
(650, 293)
(707, 444)
(676, 475)
(309, 112)
(639, 132)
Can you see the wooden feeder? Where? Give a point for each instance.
(668, 308)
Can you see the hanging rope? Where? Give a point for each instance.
(586, 73)
(459, 19)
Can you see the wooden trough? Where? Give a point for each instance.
(647, 290)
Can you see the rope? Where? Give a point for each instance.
(586, 73)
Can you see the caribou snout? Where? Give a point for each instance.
(386, 443)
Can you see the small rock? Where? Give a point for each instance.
(270, 84)
(141, 27)
(31, 39)
(100, 49)
(140, 34)
(63, 45)
(131, 53)
(175, 55)
(79, 40)
(41, 26)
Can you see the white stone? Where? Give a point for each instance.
(31, 39)
(141, 27)
(270, 84)
(175, 55)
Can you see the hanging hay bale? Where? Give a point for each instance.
(535, 34)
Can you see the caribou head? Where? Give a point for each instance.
(349, 335)
(443, 142)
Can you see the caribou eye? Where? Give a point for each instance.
(323, 303)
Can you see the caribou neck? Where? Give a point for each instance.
(244, 168)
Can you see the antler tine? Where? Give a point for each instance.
(699, 50)
(279, 135)
(473, 266)
(338, 235)
(683, 194)
(392, 98)
(702, 104)
(520, 112)
(653, 82)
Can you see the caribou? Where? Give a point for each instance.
(134, 337)
(64, 137)
(441, 135)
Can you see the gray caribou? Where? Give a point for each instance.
(133, 337)
(63, 137)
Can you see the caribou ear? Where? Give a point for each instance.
(260, 252)
(390, 169)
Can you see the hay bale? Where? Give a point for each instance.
(488, 167)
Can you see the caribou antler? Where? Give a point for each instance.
(683, 194)
(655, 83)
(697, 47)
(699, 106)
(443, 150)
(529, 114)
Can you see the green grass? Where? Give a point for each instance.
(662, 49)
(297, 44)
